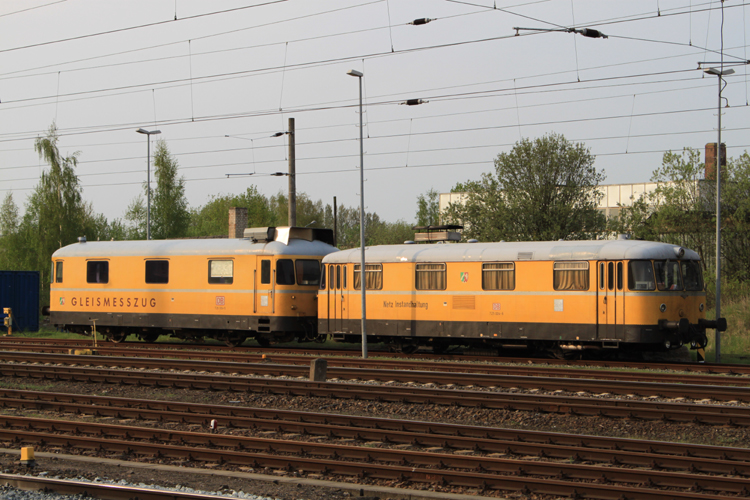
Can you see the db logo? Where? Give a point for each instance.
(219, 301)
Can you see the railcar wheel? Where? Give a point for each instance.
(149, 337)
(263, 341)
(409, 348)
(234, 341)
(118, 337)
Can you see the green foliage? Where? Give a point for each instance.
(170, 216)
(428, 208)
(212, 219)
(543, 189)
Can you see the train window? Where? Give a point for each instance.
(641, 275)
(284, 272)
(157, 271)
(97, 271)
(602, 277)
(331, 278)
(308, 271)
(611, 275)
(619, 275)
(344, 278)
(571, 275)
(498, 276)
(692, 275)
(667, 275)
(322, 276)
(265, 272)
(373, 276)
(220, 272)
(430, 277)
(338, 277)
(58, 271)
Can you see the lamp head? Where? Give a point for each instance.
(354, 72)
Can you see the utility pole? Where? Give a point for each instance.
(292, 177)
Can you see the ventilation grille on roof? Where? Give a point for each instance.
(525, 255)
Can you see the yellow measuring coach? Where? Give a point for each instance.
(263, 286)
(563, 296)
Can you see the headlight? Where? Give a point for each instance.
(701, 307)
(663, 307)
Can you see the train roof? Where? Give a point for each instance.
(514, 251)
(208, 247)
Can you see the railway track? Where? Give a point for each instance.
(554, 469)
(606, 383)
(534, 370)
(21, 343)
(699, 413)
(96, 490)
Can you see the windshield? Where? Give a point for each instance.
(668, 275)
(641, 275)
(308, 272)
(692, 274)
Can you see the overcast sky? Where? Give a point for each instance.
(199, 71)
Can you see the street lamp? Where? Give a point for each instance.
(717, 341)
(362, 274)
(148, 176)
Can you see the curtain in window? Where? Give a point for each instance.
(430, 277)
(571, 275)
(373, 276)
(498, 276)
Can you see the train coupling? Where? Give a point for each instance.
(716, 324)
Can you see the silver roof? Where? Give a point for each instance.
(512, 251)
(208, 247)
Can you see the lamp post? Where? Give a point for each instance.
(362, 280)
(717, 341)
(148, 133)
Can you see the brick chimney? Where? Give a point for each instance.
(710, 174)
(237, 221)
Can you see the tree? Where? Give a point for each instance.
(170, 216)
(212, 219)
(541, 190)
(428, 208)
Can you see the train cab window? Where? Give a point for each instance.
(373, 277)
(157, 271)
(331, 277)
(284, 272)
(692, 275)
(641, 275)
(97, 271)
(58, 271)
(430, 277)
(322, 276)
(265, 272)
(602, 277)
(308, 272)
(338, 277)
(667, 274)
(221, 272)
(498, 276)
(619, 275)
(571, 275)
(343, 285)
(611, 275)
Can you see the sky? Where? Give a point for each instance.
(201, 71)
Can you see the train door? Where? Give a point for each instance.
(339, 297)
(332, 316)
(264, 291)
(610, 300)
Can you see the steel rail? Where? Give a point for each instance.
(451, 469)
(657, 455)
(646, 389)
(615, 408)
(97, 490)
(687, 367)
(408, 364)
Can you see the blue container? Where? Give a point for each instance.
(19, 290)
